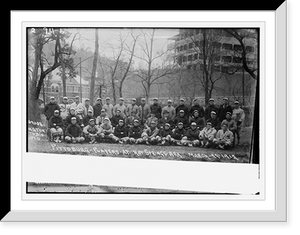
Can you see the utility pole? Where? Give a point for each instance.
(80, 80)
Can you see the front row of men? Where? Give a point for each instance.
(136, 134)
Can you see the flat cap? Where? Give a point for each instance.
(155, 98)
(56, 111)
(99, 98)
(92, 120)
(52, 98)
(73, 118)
(225, 98)
(181, 111)
(213, 112)
(169, 101)
(211, 99)
(107, 98)
(167, 124)
(193, 124)
(236, 102)
(181, 99)
(228, 113)
(65, 98)
(106, 118)
(179, 123)
(208, 123)
(87, 99)
(135, 120)
(77, 97)
(143, 99)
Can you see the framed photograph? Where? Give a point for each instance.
(166, 118)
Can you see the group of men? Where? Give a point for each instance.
(145, 124)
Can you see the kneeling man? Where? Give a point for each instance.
(120, 134)
(91, 132)
(74, 132)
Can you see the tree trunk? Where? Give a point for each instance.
(96, 53)
(114, 90)
(64, 79)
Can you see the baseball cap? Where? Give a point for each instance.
(87, 99)
(193, 124)
(56, 111)
(181, 111)
(181, 99)
(107, 98)
(213, 112)
(91, 120)
(228, 113)
(211, 99)
(236, 102)
(180, 123)
(99, 98)
(225, 98)
(65, 98)
(52, 98)
(73, 118)
(208, 123)
(167, 124)
(135, 120)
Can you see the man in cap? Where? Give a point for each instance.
(64, 108)
(144, 111)
(91, 132)
(224, 137)
(165, 119)
(73, 132)
(150, 119)
(182, 118)
(211, 107)
(105, 130)
(238, 115)
(50, 107)
(156, 108)
(197, 106)
(115, 119)
(170, 108)
(87, 107)
(55, 126)
(130, 119)
(165, 135)
(97, 107)
(100, 118)
(191, 137)
(86, 119)
(183, 107)
(70, 116)
(178, 133)
(120, 134)
(231, 124)
(197, 119)
(120, 106)
(78, 107)
(224, 108)
(108, 107)
(150, 134)
(207, 136)
(135, 133)
(214, 120)
(132, 107)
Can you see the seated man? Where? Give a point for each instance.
(105, 130)
(69, 117)
(150, 119)
(165, 135)
(182, 117)
(197, 119)
(120, 134)
(165, 119)
(231, 124)
(74, 132)
(86, 119)
(115, 119)
(191, 138)
(224, 138)
(100, 118)
(150, 135)
(91, 132)
(55, 125)
(130, 120)
(207, 136)
(178, 133)
(135, 133)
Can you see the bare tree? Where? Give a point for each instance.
(96, 54)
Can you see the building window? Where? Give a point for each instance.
(190, 57)
(217, 68)
(227, 46)
(181, 48)
(190, 45)
(226, 59)
(185, 47)
(196, 56)
(183, 58)
(237, 60)
(249, 49)
(237, 47)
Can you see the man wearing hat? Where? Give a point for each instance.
(207, 136)
(105, 130)
(86, 119)
(150, 134)
(132, 107)
(100, 118)
(120, 134)
(197, 106)
(78, 107)
(130, 119)
(238, 115)
(178, 133)
(197, 119)
(191, 137)
(156, 108)
(144, 111)
(211, 107)
(224, 137)
(224, 108)
(135, 133)
(182, 118)
(55, 126)
(70, 116)
(231, 124)
(91, 132)
(169, 107)
(108, 107)
(120, 106)
(115, 119)
(165, 135)
(165, 119)
(64, 108)
(73, 132)
(150, 119)
(214, 120)
(183, 107)
(87, 107)
(97, 107)
(50, 107)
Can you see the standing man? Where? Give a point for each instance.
(132, 107)
(50, 108)
(183, 107)
(144, 111)
(108, 107)
(87, 107)
(224, 108)
(64, 108)
(238, 115)
(198, 107)
(211, 107)
(169, 107)
(79, 107)
(121, 106)
(156, 108)
(97, 107)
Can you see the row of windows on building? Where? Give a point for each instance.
(216, 68)
(56, 88)
(216, 45)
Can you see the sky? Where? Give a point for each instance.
(109, 41)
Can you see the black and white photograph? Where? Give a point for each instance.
(152, 93)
